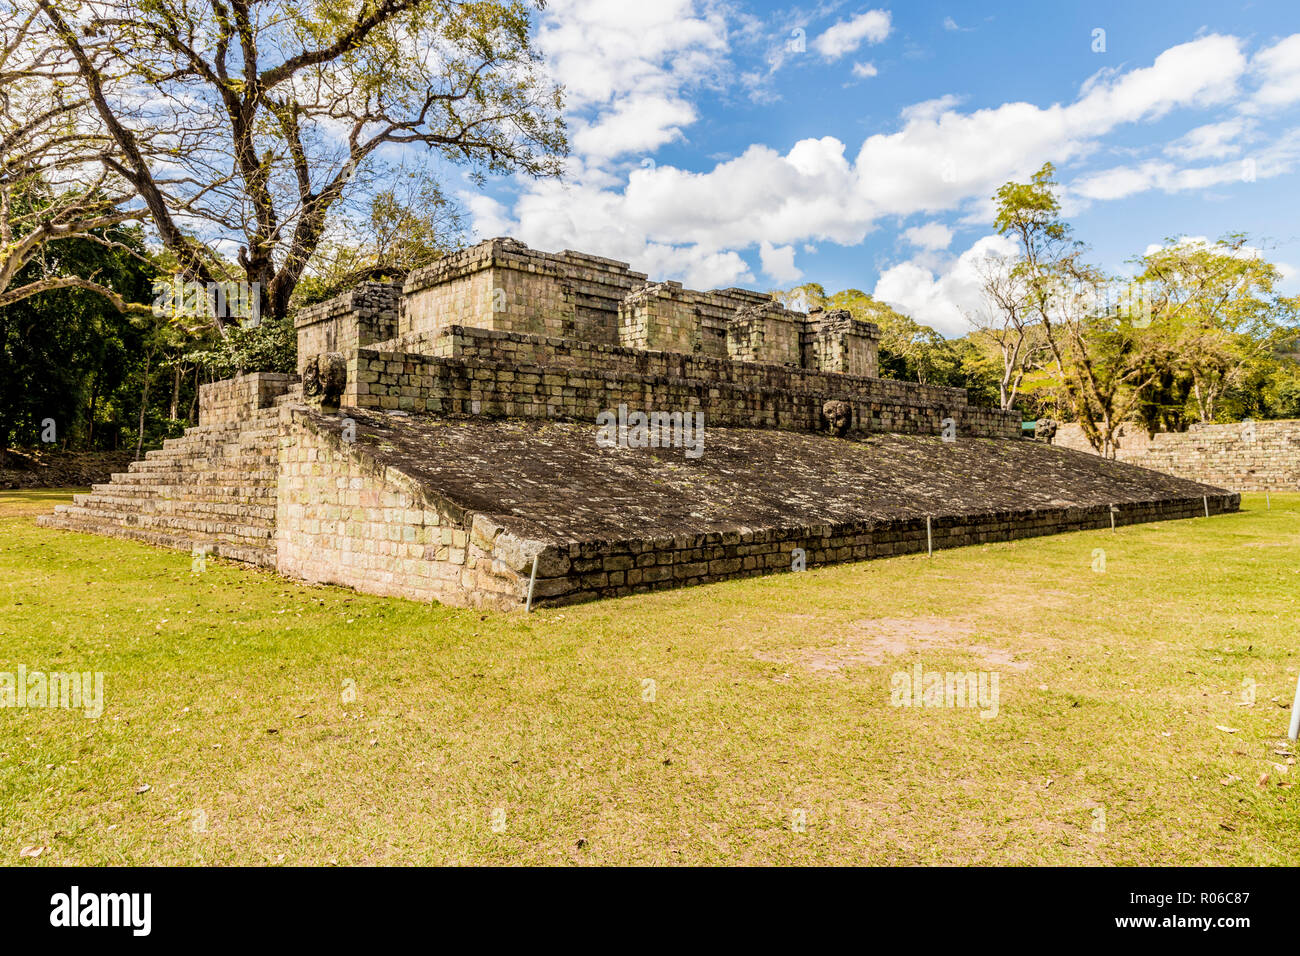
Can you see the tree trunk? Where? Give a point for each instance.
(90, 414)
(144, 405)
(194, 401)
(176, 392)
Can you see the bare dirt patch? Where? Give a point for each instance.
(871, 643)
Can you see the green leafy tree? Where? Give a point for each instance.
(1221, 311)
(68, 354)
(275, 115)
(1098, 356)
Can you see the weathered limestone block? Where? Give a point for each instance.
(765, 333)
(657, 317)
(362, 317)
(836, 342)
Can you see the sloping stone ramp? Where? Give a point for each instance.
(480, 511)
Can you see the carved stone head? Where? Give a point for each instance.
(323, 379)
(1045, 429)
(838, 415)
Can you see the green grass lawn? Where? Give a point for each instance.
(273, 722)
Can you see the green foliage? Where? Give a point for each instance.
(1221, 320)
(68, 355)
(270, 346)
(408, 224)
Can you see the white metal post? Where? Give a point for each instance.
(1295, 713)
(532, 580)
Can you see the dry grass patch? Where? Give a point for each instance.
(871, 643)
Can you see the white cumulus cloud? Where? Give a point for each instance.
(931, 235)
(847, 35)
(941, 299)
(778, 262)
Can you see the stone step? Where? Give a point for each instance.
(190, 448)
(243, 530)
(214, 485)
(252, 462)
(185, 476)
(231, 550)
(208, 492)
(261, 438)
(212, 451)
(187, 505)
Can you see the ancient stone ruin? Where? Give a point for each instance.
(442, 443)
(1242, 456)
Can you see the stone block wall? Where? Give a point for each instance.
(344, 519)
(528, 350)
(1259, 456)
(367, 314)
(238, 399)
(837, 342)
(742, 395)
(766, 333)
(502, 284)
(602, 569)
(659, 318)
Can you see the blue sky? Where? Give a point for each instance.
(760, 144)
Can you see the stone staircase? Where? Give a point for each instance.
(214, 487)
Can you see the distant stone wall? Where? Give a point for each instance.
(342, 519)
(1258, 456)
(514, 375)
(238, 399)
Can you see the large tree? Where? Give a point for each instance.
(274, 113)
(57, 180)
(1098, 354)
(1221, 308)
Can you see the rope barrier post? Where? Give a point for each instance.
(929, 541)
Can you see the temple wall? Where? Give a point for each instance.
(367, 314)
(492, 377)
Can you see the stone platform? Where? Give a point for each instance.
(444, 444)
(455, 509)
